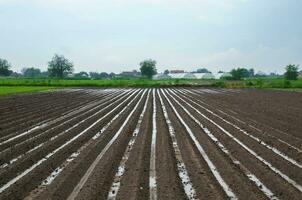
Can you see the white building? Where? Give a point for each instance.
(182, 76)
(161, 76)
(204, 75)
(189, 75)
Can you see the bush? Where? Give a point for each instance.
(240, 73)
(250, 84)
(287, 84)
(5, 68)
(148, 68)
(259, 83)
(220, 84)
(291, 72)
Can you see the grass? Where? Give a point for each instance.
(104, 83)
(6, 90)
(274, 83)
(42, 84)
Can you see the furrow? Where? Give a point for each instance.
(273, 149)
(268, 164)
(264, 133)
(236, 162)
(114, 189)
(181, 167)
(228, 191)
(74, 155)
(84, 179)
(38, 145)
(14, 180)
(36, 116)
(242, 113)
(42, 124)
(152, 179)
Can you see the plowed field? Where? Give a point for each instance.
(151, 144)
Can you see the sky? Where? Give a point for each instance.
(116, 35)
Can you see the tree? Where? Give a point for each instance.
(59, 66)
(5, 68)
(104, 75)
(31, 72)
(15, 74)
(148, 68)
(260, 74)
(291, 72)
(203, 70)
(94, 75)
(44, 74)
(112, 75)
(239, 73)
(251, 72)
(166, 72)
(81, 75)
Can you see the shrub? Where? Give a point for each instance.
(220, 84)
(287, 84)
(291, 72)
(239, 73)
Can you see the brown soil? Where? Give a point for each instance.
(273, 117)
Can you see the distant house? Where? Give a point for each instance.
(177, 71)
(204, 75)
(161, 76)
(133, 73)
(182, 75)
(300, 74)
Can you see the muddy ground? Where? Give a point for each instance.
(151, 144)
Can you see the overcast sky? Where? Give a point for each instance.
(115, 35)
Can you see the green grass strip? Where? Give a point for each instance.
(6, 90)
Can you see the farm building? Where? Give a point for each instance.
(204, 75)
(130, 74)
(189, 75)
(182, 75)
(177, 71)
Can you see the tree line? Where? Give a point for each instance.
(291, 73)
(60, 67)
